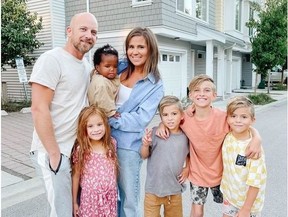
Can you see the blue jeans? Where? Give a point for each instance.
(129, 183)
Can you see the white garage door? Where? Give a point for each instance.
(171, 73)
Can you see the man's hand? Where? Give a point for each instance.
(54, 160)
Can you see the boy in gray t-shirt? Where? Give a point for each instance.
(166, 158)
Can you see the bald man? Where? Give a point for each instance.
(59, 81)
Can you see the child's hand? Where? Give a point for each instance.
(190, 110)
(243, 213)
(116, 115)
(75, 210)
(184, 175)
(253, 151)
(162, 131)
(147, 138)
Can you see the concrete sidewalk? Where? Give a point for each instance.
(18, 181)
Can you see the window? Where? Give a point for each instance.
(139, 3)
(194, 8)
(251, 16)
(201, 9)
(170, 58)
(238, 15)
(164, 57)
(177, 58)
(201, 54)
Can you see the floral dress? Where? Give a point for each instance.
(98, 184)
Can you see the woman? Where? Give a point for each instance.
(140, 92)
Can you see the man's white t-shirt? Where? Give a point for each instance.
(68, 77)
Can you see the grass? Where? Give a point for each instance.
(261, 98)
(14, 106)
(279, 87)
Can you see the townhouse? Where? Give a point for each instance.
(194, 36)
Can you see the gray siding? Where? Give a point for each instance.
(173, 20)
(117, 15)
(52, 34)
(212, 13)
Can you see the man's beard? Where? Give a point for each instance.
(83, 47)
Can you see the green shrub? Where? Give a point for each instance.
(261, 98)
(14, 106)
(279, 86)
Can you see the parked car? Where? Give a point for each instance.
(275, 75)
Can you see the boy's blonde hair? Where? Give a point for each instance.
(167, 101)
(198, 80)
(240, 102)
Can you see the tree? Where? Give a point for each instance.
(269, 45)
(18, 32)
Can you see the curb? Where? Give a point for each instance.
(22, 191)
(23, 110)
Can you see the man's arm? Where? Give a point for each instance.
(41, 100)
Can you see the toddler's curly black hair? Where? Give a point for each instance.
(106, 49)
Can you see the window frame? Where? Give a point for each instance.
(238, 15)
(191, 7)
(140, 3)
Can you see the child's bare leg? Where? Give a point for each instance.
(197, 210)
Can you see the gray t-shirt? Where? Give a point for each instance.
(165, 164)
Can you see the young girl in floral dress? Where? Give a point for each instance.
(94, 166)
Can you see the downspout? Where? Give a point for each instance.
(89, 53)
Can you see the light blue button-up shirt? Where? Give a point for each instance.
(136, 113)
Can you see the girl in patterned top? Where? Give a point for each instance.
(94, 166)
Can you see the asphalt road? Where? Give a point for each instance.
(271, 122)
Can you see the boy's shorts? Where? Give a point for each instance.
(172, 205)
(230, 210)
(199, 194)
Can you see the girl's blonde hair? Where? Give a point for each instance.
(240, 102)
(83, 142)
